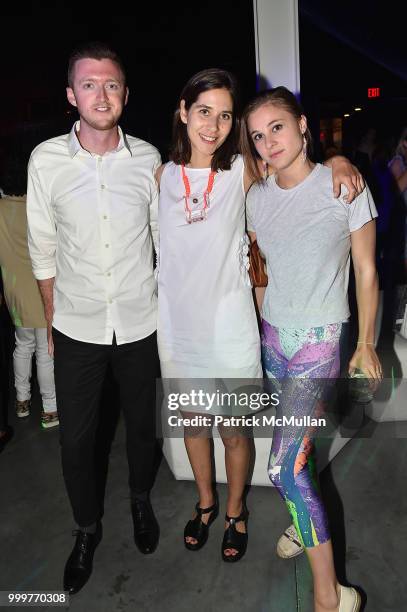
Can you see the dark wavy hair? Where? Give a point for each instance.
(93, 50)
(211, 78)
(279, 96)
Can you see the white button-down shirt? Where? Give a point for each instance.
(91, 219)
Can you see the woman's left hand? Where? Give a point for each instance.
(365, 358)
(345, 173)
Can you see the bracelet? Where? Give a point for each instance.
(360, 342)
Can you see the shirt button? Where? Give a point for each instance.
(103, 186)
(107, 246)
(108, 274)
(105, 216)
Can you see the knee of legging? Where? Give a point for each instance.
(274, 473)
(281, 475)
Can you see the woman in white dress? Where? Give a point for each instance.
(207, 326)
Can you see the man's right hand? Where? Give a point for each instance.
(46, 287)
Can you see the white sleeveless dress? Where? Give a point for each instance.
(207, 324)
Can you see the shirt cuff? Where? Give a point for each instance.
(44, 273)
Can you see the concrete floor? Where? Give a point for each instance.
(364, 489)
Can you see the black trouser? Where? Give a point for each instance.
(80, 370)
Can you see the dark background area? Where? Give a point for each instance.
(162, 45)
(345, 48)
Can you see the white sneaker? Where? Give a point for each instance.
(289, 544)
(350, 600)
(49, 419)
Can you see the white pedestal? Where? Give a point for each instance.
(177, 459)
(390, 401)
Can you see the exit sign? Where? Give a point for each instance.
(373, 92)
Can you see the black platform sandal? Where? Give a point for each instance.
(233, 538)
(198, 530)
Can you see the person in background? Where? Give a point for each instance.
(6, 432)
(398, 168)
(22, 295)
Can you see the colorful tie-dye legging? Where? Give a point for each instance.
(303, 364)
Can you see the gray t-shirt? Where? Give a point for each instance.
(304, 233)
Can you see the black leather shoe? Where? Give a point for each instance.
(146, 528)
(78, 568)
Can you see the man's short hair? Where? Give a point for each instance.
(93, 50)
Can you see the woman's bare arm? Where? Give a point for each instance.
(258, 291)
(363, 243)
(345, 173)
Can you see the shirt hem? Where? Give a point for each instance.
(307, 324)
(103, 342)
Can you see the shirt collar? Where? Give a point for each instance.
(74, 145)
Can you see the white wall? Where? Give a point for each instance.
(277, 45)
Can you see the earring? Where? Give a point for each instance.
(304, 149)
(265, 171)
